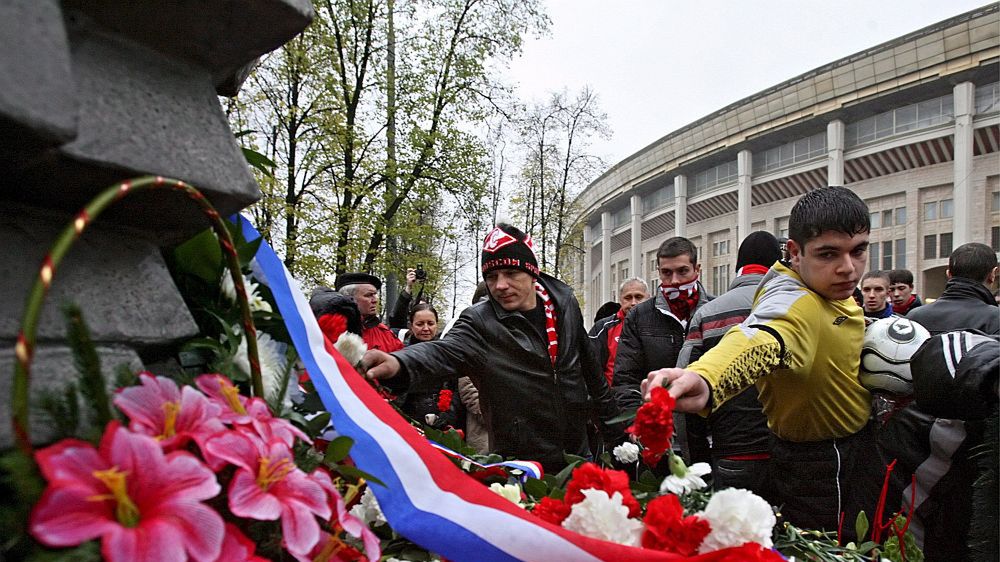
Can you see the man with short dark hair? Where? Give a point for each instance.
(364, 288)
(901, 292)
(967, 302)
(937, 450)
(526, 351)
(801, 345)
(875, 294)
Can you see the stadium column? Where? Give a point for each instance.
(744, 177)
(589, 308)
(965, 95)
(835, 152)
(606, 227)
(680, 205)
(636, 257)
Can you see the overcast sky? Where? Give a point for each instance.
(658, 65)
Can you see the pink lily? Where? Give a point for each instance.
(172, 416)
(351, 524)
(268, 486)
(241, 410)
(142, 503)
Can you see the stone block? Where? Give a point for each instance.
(51, 370)
(37, 105)
(118, 279)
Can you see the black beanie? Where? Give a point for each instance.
(506, 247)
(758, 248)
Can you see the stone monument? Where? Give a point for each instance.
(95, 92)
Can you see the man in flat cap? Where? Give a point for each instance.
(364, 288)
(526, 351)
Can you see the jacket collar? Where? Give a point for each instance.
(963, 288)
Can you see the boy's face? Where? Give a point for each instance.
(874, 290)
(832, 263)
(900, 293)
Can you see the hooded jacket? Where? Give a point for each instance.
(533, 410)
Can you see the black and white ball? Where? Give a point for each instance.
(885, 355)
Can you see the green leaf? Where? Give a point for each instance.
(356, 473)
(262, 163)
(338, 449)
(93, 387)
(200, 256)
(535, 488)
(626, 416)
(861, 525)
(316, 425)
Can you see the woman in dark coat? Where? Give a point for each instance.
(440, 409)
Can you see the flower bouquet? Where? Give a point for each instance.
(236, 456)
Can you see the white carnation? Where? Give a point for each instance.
(603, 517)
(351, 346)
(273, 363)
(257, 303)
(627, 452)
(510, 491)
(692, 480)
(368, 509)
(737, 517)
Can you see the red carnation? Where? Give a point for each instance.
(589, 476)
(654, 425)
(444, 400)
(667, 529)
(552, 510)
(749, 552)
(332, 325)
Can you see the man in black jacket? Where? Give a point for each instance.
(966, 303)
(935, 449)
(527, 352)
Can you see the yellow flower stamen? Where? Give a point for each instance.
(170, 411)
(232, 396)
(268, 474)
(331, 548)
(126, 511)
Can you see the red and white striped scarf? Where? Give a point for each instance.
(550, 321)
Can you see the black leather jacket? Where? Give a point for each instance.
(964, 305)
(533, 411)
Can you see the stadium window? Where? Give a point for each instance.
(945, 245)
(995, 204)
(995, 238)
(876, 219)
(720, 278)
(901, 253)
(930, 247)
(900, 218)
(930, 211)
(887, 254)
(887, 218)
(873, 256)
(947, 208)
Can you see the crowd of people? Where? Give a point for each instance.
(765, 376)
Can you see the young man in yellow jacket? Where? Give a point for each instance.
(801, 346)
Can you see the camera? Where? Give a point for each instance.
(420, 273)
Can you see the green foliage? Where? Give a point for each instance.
(60, 410)
(93, 386)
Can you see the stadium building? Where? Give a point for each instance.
(911, 125)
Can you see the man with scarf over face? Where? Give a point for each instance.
(655, 329)
(526, 351)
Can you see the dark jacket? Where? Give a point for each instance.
(533, 411)
(599, 334)
(954, 375)
(650, 340)
(738, 427)
(964, 305)
(417, 405)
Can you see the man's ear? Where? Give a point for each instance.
(947, 273)
(992, 277)
(794, 252)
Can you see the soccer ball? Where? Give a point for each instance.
(885, 355)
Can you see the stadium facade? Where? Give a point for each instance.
(911, 125)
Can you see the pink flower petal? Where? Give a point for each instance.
(236, 448)
(70, 460)
(236, 547)
(298, 487)
(147, 542)
(64, 517)
(198, 527)
(299, 528)
(246, 499)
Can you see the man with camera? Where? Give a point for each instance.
(397, 319)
